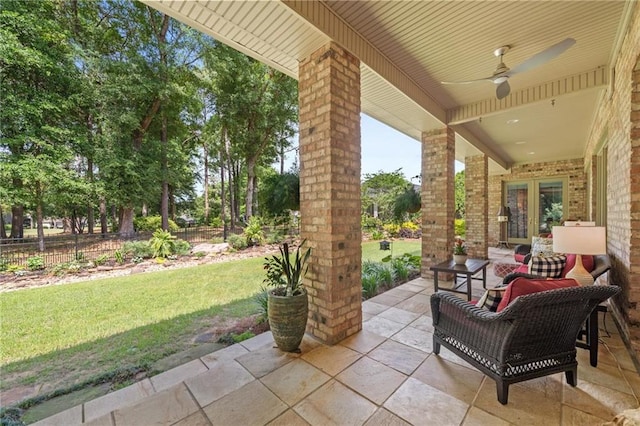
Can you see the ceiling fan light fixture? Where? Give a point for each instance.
(501, 79)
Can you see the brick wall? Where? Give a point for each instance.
(476, 170)
(438, 205)
(617, 122)
(576, 191)
(329, 100)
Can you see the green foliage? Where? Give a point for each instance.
(237, 242)
(35, 263)
(253, 232)
(369, 222)
(280, 193)
(119, 256)
(181, 247)
(152, 223)
(101, 260)
(392, 229)
(162, 243)
(275, 237)
(262, 300)
(459, 248)
(459, 194)
(460, 227)
(382, 189)
(406, 202)
(377, 235)
(286, 274)
(140, 249)
(375, 275)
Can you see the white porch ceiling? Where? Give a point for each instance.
(407, 47)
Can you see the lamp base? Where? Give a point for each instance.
(580, 274)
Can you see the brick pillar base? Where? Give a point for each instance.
(329, 91)
(438, 198)
(476, 174)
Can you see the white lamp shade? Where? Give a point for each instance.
(580, 239)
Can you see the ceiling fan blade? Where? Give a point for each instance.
(467, 81)
(544, 56)
(503, 89)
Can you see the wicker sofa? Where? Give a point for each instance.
(534, 336)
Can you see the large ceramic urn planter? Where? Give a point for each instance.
(288, 319)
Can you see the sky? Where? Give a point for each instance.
(385, 149)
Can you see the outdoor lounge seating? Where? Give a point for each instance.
(533, 336)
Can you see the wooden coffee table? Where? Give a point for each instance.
(466, 271)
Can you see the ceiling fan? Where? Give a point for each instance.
(500, 76)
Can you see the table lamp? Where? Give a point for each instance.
(580, 240)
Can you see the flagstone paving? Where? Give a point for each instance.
(384, 375)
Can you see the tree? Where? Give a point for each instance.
(381, 189)
(459, 194)
(257, 108)
(37, 92)
(280, 193)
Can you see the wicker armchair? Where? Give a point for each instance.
(533, 337)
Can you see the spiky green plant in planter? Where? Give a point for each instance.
(287, 303)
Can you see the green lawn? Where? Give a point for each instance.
(88, 328)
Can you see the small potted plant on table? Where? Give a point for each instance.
(287, 303)
(459, 252)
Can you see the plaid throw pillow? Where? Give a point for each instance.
(491, 299)
(550, 266)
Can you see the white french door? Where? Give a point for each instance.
(534, 206)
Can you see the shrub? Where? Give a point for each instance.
(135, 249)
(101, 260)
(162, 243)
(215, 222)
(152, 223)
(369, 285)
(253, 232)
(275, 237)
(460, 228)
(377, 235)
(4, 264)
(35, 263)
(181, 247)
(237, 242)
(262, 300)
(392, 229)
(119, 256)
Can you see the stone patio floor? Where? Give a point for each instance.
(384, 375)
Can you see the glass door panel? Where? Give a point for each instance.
(517, 194)
(550, 206)
(535, 206)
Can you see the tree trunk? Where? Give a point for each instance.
(205, 194)
(126, 222)
(3, 232)
(251, 179)
(164, 172)
(39, 219)
(17, 217)
(90, 213)
(104, 225)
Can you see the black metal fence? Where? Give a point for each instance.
(66, 248)
(88, 247)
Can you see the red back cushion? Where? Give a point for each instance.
(521, 286)
(587, 262)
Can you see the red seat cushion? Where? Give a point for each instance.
(519, 257)
(521, 286)
(523, 269)
(587, 262)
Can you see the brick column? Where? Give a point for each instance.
(329, 99)
(476, 183)
(438, 197)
